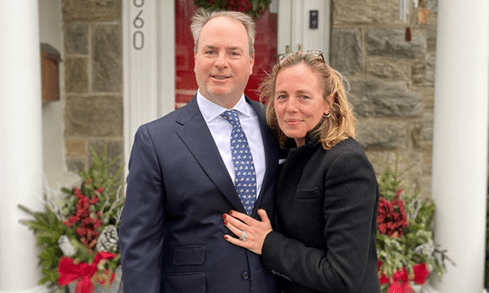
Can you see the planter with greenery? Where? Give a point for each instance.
(78, 232)
(406, 251)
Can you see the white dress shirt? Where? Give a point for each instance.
(221, 132)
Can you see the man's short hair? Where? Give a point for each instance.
(202, 16)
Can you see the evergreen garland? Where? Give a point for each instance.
(251, 7)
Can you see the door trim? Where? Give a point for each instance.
(148, 29)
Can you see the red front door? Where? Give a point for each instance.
(265, 52)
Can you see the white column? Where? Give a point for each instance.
(20, 143)
(460, 141)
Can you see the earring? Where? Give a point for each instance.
(327, 115)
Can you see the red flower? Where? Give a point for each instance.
(84, 222)
(81, 231)
(391, 217)
(73, 219)
(78, 192)
(68, 224)
(87, 221)
(97, 224)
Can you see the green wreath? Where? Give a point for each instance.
(251, 7)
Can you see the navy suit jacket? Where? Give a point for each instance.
(178, 188)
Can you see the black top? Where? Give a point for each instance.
(325, 223)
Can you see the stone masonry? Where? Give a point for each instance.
(391, 81)
(93, 80)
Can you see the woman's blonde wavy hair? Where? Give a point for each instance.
(330, 130)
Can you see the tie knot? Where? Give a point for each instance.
(231, 116)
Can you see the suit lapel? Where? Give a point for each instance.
(196, 136)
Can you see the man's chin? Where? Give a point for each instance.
(222, 94)
(219, 93)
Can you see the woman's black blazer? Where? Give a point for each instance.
(325, 224)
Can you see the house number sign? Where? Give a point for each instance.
(138, 24)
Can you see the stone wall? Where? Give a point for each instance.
(391, 81)
(93, 79)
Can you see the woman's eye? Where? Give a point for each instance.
(280, 97)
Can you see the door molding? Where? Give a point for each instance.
(148, 62)
(293, 26)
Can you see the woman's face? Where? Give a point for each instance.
(299, 103)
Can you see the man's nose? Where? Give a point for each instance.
(221, 60)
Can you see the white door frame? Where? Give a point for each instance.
(293, 26)
(148, 62)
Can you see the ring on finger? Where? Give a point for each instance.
(243, 236)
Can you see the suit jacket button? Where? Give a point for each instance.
(245, 276)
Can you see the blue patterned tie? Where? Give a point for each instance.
(244, 168)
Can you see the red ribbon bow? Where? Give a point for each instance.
(69, 271)
(401, 282)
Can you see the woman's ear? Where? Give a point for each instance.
(327, 104)
(330, 99)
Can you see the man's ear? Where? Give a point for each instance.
(252, 62)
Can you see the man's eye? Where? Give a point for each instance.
(304, 97)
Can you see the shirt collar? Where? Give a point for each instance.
(211, 111)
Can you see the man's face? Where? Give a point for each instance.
(222, 62)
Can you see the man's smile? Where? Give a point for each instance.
(220, 77)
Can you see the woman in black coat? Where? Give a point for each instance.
(326, 201)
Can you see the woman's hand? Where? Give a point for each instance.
(255, 231)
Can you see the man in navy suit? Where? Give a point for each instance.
(181, 176)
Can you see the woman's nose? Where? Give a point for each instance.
(291, 105)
